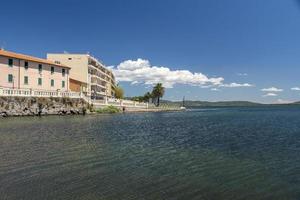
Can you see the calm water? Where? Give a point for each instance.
(227, 153)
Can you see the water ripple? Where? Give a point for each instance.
(225, 153)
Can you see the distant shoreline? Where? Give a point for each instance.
(206, 104)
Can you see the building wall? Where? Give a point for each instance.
(104, 81)
(19, 72)
(75, 86)
(111, 85)
(79, 69)
(89, 71)
(78, 63)
(5, 70)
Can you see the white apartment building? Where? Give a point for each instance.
(87, 74)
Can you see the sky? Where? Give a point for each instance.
(212, 50)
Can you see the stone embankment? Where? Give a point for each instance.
(31, 106)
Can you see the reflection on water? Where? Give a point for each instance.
(240, 153)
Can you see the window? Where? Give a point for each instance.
(25, 80)
(40, 67)
(52, 83)
(40, 81)
(52, 69)
(63, 71)
(63, 84)
(26, 65)
(10, 78)
(10, 62)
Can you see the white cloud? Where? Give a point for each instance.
(233, 85)
(141, 71)
(242, 74)
(207, 86)
(295, 88)
(110, 67)
(271, 89)
(270, 95)
(215, 89)
(134, 82)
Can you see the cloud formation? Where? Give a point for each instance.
(140, 71)
(242, 74)
(234, 85)
(270, 94)
(295, 89)
(271, 89)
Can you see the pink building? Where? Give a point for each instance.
(22, 71)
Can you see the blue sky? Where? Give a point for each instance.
(250, 44)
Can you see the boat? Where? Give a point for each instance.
(183, 104)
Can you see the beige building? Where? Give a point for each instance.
(88, 75)
(27, 72)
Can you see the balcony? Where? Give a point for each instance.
(98, 85)
(97, 79)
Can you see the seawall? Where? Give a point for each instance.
(31, 106)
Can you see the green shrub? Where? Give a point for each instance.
(91, 107)
(108, 109)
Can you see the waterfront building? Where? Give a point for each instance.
(19, 71)
(88, 75)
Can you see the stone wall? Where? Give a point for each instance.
(30, 106)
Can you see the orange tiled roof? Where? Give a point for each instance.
(29, 58)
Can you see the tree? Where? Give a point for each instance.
(147, 97)
(158, 92)
(119, 93)
(138, 98)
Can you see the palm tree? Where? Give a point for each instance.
(158, 92)
(147, 96)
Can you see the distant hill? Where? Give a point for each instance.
(193, 104)
(196, 104)
(296, 103)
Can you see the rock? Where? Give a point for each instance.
(3, 114)
(24, 106)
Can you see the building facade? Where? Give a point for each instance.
(88, 75)
(21, 71)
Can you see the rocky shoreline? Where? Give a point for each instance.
(35, 106)
(41, 106)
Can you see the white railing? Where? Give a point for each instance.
(50, 93)
(119, 103)
(38, 93)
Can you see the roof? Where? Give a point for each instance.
(29, 58)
